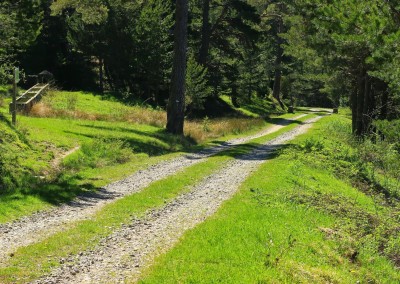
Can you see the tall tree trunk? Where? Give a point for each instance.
(353, 101)
(385, 102)
(367, 106)
(359, 129)
(234, 96)
(205, 33)
(278, 67)
(101, 75)
(176, 103)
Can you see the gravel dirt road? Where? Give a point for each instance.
(40, 225)
(122, 256)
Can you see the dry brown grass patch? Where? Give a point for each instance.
(42, 110)
(198, 130)
(147, 116)
(138, 115)
(203, 130)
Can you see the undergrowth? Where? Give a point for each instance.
(11, 146)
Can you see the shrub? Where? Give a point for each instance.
(12, 175)
(206, 124)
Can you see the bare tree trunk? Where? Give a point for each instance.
(385, 102)
(354, 109)
(359, 129)
(205, 33)
(101, 75)
(278, 68)
(176, 103)
(367, 106)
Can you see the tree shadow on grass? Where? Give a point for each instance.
(60, 191)
(282, 121)
(54, 192)
(254, 151)
(261, 110)
(160, 134)
(160, 142)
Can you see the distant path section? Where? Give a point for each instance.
(38, 226)
(121, 257)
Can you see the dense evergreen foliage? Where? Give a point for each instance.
(304, 52)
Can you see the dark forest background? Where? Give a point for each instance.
(300, 52)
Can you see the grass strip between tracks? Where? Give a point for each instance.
(29, 263)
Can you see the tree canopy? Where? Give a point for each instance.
(305, 52)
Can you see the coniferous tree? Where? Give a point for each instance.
(176, 103)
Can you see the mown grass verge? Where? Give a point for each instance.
(293, 221)
(31, 262)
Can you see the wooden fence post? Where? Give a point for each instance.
(14, 107)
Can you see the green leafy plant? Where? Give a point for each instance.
(312, 144)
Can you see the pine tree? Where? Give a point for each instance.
(176, 103)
